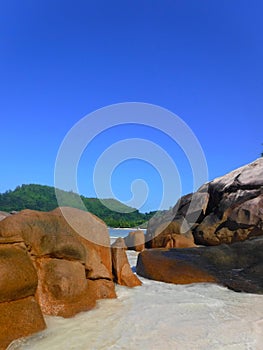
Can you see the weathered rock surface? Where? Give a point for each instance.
(123, 274)
(225, 210)
(101, 288)
(19, 318)
(135, 240)
(20, 314)
(65, 256)
(62, 287)
(18, 277)
(238, 266)
(53, 265)
(49, 234)
(93, 234)
(171, 236)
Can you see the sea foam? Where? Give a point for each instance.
(159, 316)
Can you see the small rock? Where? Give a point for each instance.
(122, 272)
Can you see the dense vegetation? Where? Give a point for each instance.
(39, 197)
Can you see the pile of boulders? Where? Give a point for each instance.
(56, 263)
(226, 210)
(238, 266)
(224, 218)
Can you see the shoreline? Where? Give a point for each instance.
(126, 228)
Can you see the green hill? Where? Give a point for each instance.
(43, 198)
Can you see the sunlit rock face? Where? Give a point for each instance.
(65, 254)
(50, 265)
(20, 314)
(237, 266)
(122, 272)
(135, 240)
(225, 210)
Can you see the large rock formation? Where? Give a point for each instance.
(55, 263)
(64, 258)
(238, 266)
(50, 267)
(225, 210)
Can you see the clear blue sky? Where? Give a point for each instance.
(61, 60)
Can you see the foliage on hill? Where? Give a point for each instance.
(43, 198)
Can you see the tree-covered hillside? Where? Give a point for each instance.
(39, 197)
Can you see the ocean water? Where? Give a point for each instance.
(120, 232)
(159, 316)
